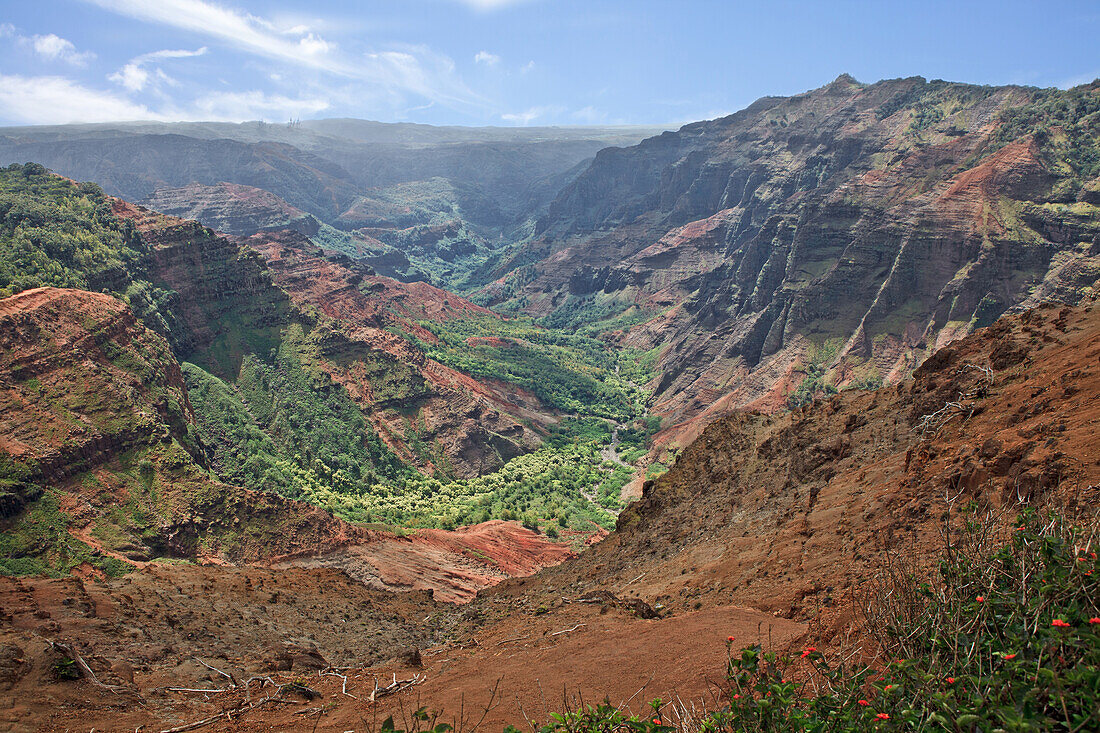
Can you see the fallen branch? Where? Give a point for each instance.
(396, 686)
(344, 677)
(71, 653)
(199, 689)
(219, 716)
(231, 678)
(566, 631)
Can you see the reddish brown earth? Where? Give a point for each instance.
(768, 528)
(452, 565)
(280, 278)
(478, 422)
(87, 395)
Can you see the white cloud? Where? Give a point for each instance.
(56, 100)
(134, 76)
(413, 69)
(131, 76)
(484, 57)
(529, 66)
(529, 115)
(51, 47)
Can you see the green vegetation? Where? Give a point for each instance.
(38, 542)
(286, 428)
(815, 384)
(56, 232)
(1075, 113)
(569, 372)
(540, 488)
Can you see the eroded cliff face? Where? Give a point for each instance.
(794, 513)
(478, 424)
(237, 297)
(833, 238)
(231, 208)
(101, 461)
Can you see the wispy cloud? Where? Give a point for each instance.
(589, 115)
(56, 100)
(49, 100)
(134, 76)
(484, 57)
(413, 69)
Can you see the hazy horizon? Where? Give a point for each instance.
(502, 63)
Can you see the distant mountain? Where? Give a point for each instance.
(829, 239)
(346, 173)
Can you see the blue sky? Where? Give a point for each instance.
(506, 62)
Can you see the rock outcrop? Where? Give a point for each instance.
(832, 238)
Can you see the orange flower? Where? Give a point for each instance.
(656, 721)
(889, 687)
(981, 599)
(882, 716)
(1060, 623)
(1094, 620)
(864, 703)
(1010, 656)
(950, 680)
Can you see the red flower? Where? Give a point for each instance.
(1060, 623)
(1092, 555)
(809, 650)
(729, 639)
(1010, 656)
(656, 721)
(1094, 620)
(981, 599)
(864, 703)
(882, 716)
(736, 697)
(1020, 528)
(889, 687)
(950, 680)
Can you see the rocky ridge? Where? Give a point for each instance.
(832, 238)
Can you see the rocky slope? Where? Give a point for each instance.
(478, 424)
(768, 529)
(791, 513)
(233, 301)
(832, 238)
(99, 446)
(232, 208)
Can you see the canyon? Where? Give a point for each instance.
(502, 411)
